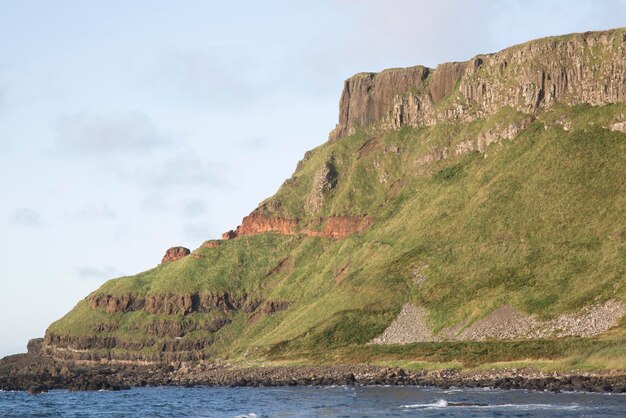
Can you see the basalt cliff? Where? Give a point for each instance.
(468, 214)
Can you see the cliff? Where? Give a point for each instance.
(478, 206)
(581, 68)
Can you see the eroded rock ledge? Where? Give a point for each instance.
(166, 339)
(331, 227)
(173, 304)
(98, 348)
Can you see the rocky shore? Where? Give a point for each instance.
(38, 373)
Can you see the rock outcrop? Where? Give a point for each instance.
(367, 97)
(100, 348)
(166, 330)
(257, 223)
(331, 227)
(324, 180)
(173, 304)
(574, 69)
(175, 253)
(212, 243)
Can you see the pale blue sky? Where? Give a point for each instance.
(127, 127)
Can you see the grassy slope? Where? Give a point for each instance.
(537, 222)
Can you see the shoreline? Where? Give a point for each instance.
(38, 373)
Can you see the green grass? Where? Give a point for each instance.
(536, 222)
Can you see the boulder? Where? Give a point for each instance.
(175, 253)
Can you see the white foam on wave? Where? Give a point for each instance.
(534, 406)
(452, 390)
(441, 403)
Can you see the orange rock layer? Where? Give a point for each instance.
(331, 227)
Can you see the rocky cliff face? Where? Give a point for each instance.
(368, 97)
(575, 69)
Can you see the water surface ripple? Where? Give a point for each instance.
(374, 401)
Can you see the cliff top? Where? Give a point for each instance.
(572, 69)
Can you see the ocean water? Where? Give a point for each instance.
(372, 401)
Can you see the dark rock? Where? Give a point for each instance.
(34, 345)
(35, 390)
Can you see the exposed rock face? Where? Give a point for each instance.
(173, 304)
(273, 306)
(111, 304)
(175, 253)
(368, 97)
(34, 345)
(229, 234)
(257, 223)
(332, 227)
(90, 348)
(269, 307)
(325, 179)
(493, 135)
(176, 328)
(211, 243)
(581, 68)
(166, 329)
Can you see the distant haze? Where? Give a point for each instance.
(130, 127)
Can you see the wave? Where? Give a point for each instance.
(442, 403)
(531, 406)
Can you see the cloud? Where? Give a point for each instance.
(198, 231)
(25, 217)
(123, 133)
(154, 202)
(184, 171)
(94, 273)
(3, 99)
(253, 144)
(206, 76)
(194, 207)
(96, 213)
(410, 32)
(431, 32)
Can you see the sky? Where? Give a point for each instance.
(128, 127)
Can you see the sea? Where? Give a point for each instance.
(303, 401)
